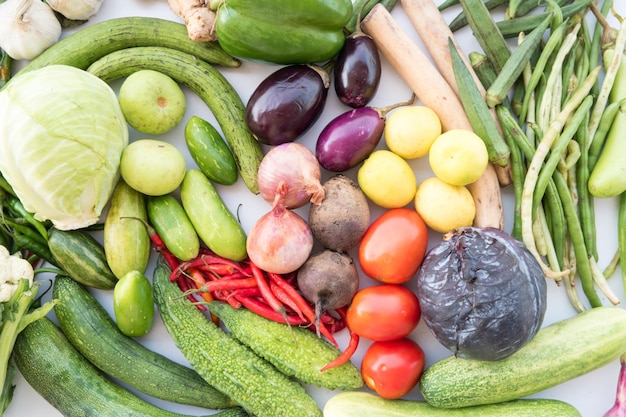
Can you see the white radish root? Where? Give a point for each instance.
(431, 88)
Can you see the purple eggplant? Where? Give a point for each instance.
(349, 138)
(357, 69)
(287, 103)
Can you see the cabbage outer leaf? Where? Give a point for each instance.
(62, 134)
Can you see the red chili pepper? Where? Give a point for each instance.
(346, 354)
(282, 295)
(264, 310)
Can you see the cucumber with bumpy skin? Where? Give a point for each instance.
(358, 404)
(71, 384)
(293, 350)
(230, 366)
(91, 330)
(558, 353)
(204, 80)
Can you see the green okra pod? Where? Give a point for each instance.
(486, 32)
(460, 21)
(512, 27)
(477, 111)
(515, 64)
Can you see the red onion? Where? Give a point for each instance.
(280, 241)
(294, 168)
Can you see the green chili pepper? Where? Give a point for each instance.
(282, 31)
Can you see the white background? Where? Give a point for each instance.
(592, 394)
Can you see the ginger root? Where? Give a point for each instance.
(199, 19)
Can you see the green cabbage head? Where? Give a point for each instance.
(62, 134)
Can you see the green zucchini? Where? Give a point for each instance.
(359, 404)
(293, 350)
(227, 364)
(71, 384)
(558, 353)
(126, 241)
(167, 216)
(82, 257)
(90, 329)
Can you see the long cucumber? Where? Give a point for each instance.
(558, 353)
(204, 80)
(87, 45)
(90, 329)
(230, 366)
(357, 404)
(71, 384)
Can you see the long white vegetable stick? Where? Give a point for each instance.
(431, 88)
(435, 32)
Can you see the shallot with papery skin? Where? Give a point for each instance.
(280, 241)
(292, 171)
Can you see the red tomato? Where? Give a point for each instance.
(393, 247)
(383, 312)
(392, 368)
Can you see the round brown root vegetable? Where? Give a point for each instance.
(340, 221)
(329, 280)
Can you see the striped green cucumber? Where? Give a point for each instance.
(168, 217)
(358, 404)
(85, 46)
(90, 329)
(82, 257)
(208, 149)
(204, 80)
(126, 241)
(293, 350)
(71, 384)
(227, 364)
(214, 222)
(558, 353)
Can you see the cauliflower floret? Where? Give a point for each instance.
(12, 269)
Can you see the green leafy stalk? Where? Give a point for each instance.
(15, 315)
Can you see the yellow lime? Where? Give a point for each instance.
(410, 131)
(444, 206)
(458, 157)
(387, 179)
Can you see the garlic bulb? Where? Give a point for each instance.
(27, 28)
(76, 9)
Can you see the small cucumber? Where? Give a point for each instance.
(293, 350)
(168, 217)
(90, 329)
(227, 364)
(215, 224)
(82, 257)
(359, 404)
(558, 353)
(211, 153)
(126, 240)
(70, 383)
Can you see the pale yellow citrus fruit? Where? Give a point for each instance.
(411, 130)
(387, 179)
(444, 206)
(458, 157)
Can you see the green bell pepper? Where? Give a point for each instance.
(282, 31)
